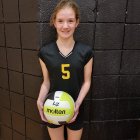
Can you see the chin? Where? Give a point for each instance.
(65, 36)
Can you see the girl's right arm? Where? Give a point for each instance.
(43, 90)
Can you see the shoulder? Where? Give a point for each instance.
(47, 47)
(85, 51)
(46, 50)
(82, 47)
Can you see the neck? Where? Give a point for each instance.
(65, 42)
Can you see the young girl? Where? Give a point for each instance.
(66, 66)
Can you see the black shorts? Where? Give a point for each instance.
(76, 125)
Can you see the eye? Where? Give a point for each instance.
(71, 21)
(60, 21)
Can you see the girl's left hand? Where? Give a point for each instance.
(76, 112)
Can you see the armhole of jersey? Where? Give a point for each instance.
(40, 55)
(89, 55)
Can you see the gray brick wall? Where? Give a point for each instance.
(111, 28)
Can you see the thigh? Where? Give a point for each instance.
(74, 134)
(56, 133)
(75, 129)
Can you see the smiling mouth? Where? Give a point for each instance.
(66, 32)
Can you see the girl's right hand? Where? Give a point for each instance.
(40, 108)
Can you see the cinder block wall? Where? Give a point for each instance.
(111, 28)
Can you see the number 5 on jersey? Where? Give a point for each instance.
(65, 71)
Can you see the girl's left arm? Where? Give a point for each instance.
(85, 87)
(87, 82)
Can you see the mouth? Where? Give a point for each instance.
(65, 31)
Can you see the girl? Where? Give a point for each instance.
(66, 66)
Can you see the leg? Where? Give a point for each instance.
(75, 129)
(74, 134)
(56, 133)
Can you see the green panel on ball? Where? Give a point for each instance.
(66, 97)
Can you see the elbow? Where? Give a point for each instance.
(46, 84)
(87, 83)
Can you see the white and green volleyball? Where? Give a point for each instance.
(59, 107)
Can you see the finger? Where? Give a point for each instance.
(41, 106)
(43, 117)
(42, 114)
(74, 118)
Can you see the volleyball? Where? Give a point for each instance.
(59, 108)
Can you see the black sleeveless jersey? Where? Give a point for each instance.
(66, 72)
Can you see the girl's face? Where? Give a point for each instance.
(65, 23)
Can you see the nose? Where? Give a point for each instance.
(65, 25)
